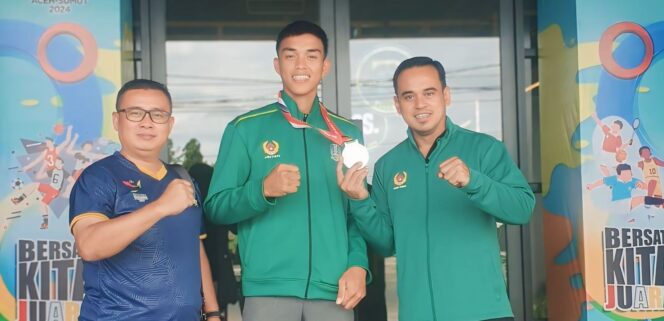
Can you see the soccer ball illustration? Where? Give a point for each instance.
(17, 184)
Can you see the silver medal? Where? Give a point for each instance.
(355, 152)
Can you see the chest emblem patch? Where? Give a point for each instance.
(400, 180)
(135, 187)
(271, 149)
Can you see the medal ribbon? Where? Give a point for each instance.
(333, 133)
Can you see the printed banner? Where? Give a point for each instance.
(601, 94)
(60, 65)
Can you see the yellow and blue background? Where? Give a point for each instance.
(36, 106)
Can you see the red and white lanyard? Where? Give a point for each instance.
(333, 133)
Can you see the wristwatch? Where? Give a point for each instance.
(213, 314)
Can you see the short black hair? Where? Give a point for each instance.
(643, 148)
(419, 62)
(623, 167)
(143, 84)
(619, 123)
(301, 27)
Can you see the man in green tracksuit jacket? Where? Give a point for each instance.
(275, 176)
(435, 200)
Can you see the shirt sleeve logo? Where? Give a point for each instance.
(271, 149)
(400, 179)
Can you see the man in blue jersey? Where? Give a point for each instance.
(137, 223)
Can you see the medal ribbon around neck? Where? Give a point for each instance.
(333, 133)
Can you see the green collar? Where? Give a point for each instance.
(441, 141)
(292, 108)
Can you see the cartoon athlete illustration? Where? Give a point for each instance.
(53, 175)
(51, 190)
(613, 149)
(49, 155)
(622, 186)
(649, 165)
(82, 158)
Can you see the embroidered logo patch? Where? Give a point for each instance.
(135, 187)
(271, 149)
(335, 152)
(140, 197)
(400, 179)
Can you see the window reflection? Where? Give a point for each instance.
(219, 62)
(213, 82)
(473, 75)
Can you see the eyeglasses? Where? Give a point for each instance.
(136, 114)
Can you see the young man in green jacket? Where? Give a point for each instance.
(435, 200)
(275, 176)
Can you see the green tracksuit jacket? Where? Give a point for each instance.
(445, 240)
(298, 245)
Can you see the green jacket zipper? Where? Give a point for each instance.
(426, 178)
(306, 170)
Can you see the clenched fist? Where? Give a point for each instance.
(284, 179)
(179, 195)
(454, 171)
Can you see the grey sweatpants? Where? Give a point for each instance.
(293, 309)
